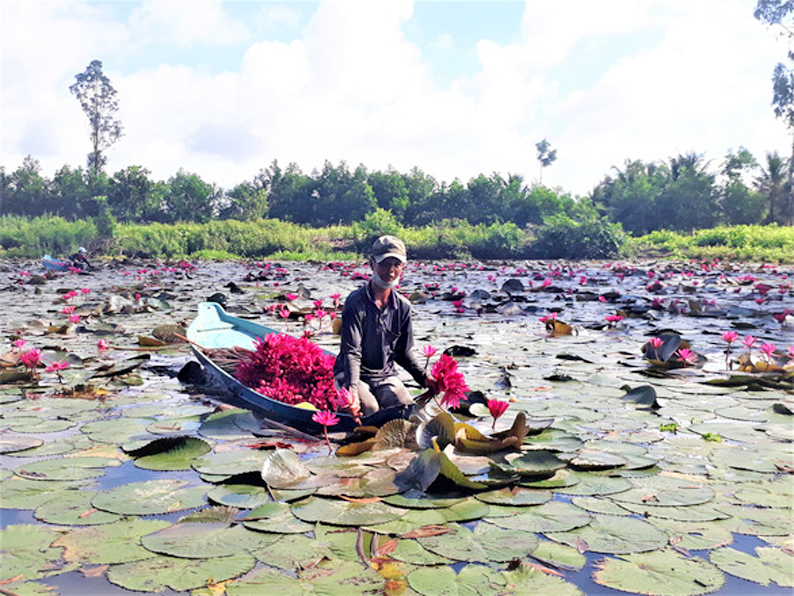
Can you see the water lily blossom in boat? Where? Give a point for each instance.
(449, 381)
(497, 407)
(327, 419)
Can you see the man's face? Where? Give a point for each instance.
(389, 269)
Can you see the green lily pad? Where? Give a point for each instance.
(30, 424)
(284, 469)
(599, 505)
(689, 513)
(22, 493)
(467, 510)
(590, 485)
(66, 468)
(12, 444)
(25, 549)
(242, 496)
(766, 458)
(106, 544)
(486, 543)
(526, 581)
(160, 573)
(661, 572)
(118, 431)
(443, 581)
(771, 565)
(410, 551)
(297, 552)
(515, 496)
(441, 427)
(73, 508)
(559, 556)
(694, 535)
(756, 521)
(330, 578)
(150, 497)
(665, 491)
(229, 425)
(593, 459)
(420, 500)
(205, 539)
(345, 513)
(170, 454)
(554, 516)
(60, 446)
(378, 483)
(537, 464)
(561, 479)
(613, 535)
(277, 518)
(420, 473)
(231, 462)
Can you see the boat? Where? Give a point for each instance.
(51, 264)
(213, 328)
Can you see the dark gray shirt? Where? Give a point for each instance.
(374, 339)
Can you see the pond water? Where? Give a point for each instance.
(687, 486)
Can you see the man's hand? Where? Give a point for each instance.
(431, 384)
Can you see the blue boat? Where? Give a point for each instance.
(51, 264)
(213, 328)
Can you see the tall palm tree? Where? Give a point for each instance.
(772, 182)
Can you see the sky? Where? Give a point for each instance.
(454, 88)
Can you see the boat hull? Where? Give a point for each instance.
(51, 264)
(214, 328)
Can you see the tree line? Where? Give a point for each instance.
(682, 193)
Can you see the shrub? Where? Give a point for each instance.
(564, 238)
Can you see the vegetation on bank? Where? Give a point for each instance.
(591, 237)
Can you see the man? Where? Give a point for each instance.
(377, 332)
(79, 259)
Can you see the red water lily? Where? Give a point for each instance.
(327, 419)
(449, 381)
(687, 356)
(497, 407)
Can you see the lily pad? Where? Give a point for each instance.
(22, 493)
(410, 551)
(327, 577)
(160, 573)
(592, 485)
(12, 444)
(25, 550)
(486, 543)
(172, 454)
(694, 535)
(205, 539)
(66, 468)
(613, 535)
(242, 496)
(443, 581)
(528, 581)
(105, 544)
(537, 464)
(73, 508)
(345, 513)
(554, 516)
(771, 565)
(515, 496)
(277, 518)
(150, 497)
(665, 491)
(231, 462)
(559, 556)
(283, 469)
(30, 424)
(661, 572)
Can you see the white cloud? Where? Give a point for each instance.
(352, 87)
(186, 23)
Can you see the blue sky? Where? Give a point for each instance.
(454, 88)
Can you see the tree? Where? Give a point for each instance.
(244, 202)
(772, 183)
(546, 156)
(133, 197)
(740, 205)
(97, 97)
(780, 14)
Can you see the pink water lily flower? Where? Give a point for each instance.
(57, 367)
(687, 356)
(67, 310)
(449, 381)
(497, 407)
(18, 343)
(749, 341)
(429, 351)
(102, 344)
(74, 318)
(730, 336)
(655, 342)
(326, 418)
(768, 350)
(30, 359)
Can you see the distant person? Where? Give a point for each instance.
(377, 332)
(80, 259)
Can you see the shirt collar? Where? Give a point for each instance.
(391, 301)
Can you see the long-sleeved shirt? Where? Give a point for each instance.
(373, 339)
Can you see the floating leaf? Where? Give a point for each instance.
(392, 435)
(345, 513)
(25, 550)
(665, 491)
(118, 542)
(661, 572)
(420, 473)
(326, 577)
(283, 469)
(22, 493)
(73, 508)
(694, 535)
(231, 462)
(158, 574)
(441, 428)
(413, 499)
(554, 516)
(169, 454)
(515, 496)
(242, 496)
(486, 543)
(443, 581)
(150, 497)
(771, 565)
(527, 581)
(12, 444)
(205, 539)
(559, 555)
(276, 518)
(614, 535)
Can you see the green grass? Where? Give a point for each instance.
(737, 243)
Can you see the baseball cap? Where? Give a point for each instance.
(388, 246)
